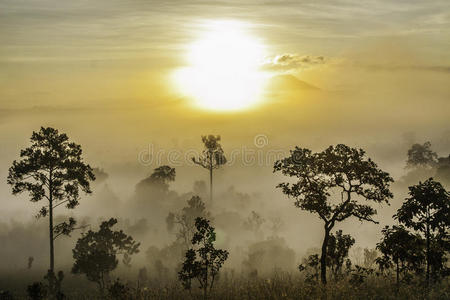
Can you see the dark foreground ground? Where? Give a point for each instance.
(232, 286)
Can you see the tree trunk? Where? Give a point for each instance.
(50, 228)
(210, 184)
(428, 253)
(52, 251)
(205, 291)
(398, 273)
(50, 217)
(323, 257)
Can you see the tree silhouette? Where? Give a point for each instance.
(52, 168)
(203, 262)
(163, 175)
(95, 252)
(421, 155)
(37, 291)
(427, 210)
(158, 181)
(212, 157)
(337, 251)
(370, 257)
(185, 220)
(401, 249)
(310, 265)
(340, 169)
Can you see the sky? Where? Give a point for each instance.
(83, 53)
(370, 74)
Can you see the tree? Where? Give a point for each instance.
(427, 210)
(337, 251)
(204, 261)
(95, 252)
(370, 256)
(212, 157)
(254, 223)
(401, 249)
(421, 156)
(37, 291)
(159, 180)
(310, 265)
(185, 220)
(340, 170)
(163, 175)
(52, 168)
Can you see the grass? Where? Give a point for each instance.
(278, 286)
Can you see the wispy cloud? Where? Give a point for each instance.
(290, 62)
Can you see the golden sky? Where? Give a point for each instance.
(105, 68)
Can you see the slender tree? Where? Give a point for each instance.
(204, 261)
(212, 157)
(52, 168)
(338, 170)
(427, 210)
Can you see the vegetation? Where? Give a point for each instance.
(427, 211)
(340, 168)
(52, 168)
(185, 220)
(336, 184)
(204, 262)
(212, 158)
(95, 253)
(402, 250)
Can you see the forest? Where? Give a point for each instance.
(204, 245)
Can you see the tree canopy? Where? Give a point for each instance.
(95, 253)
(52, 168)
(204, 261)
(340, 170)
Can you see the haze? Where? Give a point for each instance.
(369, 74)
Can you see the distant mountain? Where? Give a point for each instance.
(289, 83)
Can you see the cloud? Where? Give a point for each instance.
(292, 62)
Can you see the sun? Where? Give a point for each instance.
(223, 71)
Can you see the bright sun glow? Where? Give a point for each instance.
(223, 72)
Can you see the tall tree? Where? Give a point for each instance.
(338, 170)
(52, 168)
(427, 210)
(204, 261)
(96, 252)
(212, 157)
(401, 249)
